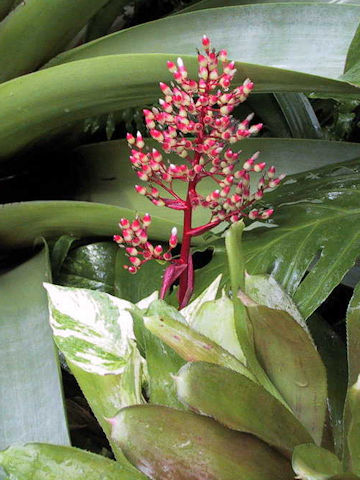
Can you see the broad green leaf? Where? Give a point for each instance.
(91, 266)
(352, 57)
(353, 336)
(215, 320)
(351, 458)
(290, 359)
(162, 363)
(23, 223)
(287, 155)
(344, 476)
(102, 21)
(240, 404)
(188, 343)
(333, 353)
(53, 24)
(314, 463)
(31, 403)
(294, 28)
(166, 444)
(316, 216)
(227, 3)
(40, 461)
(33, 107)
(93, 329)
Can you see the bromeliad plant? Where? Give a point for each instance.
(232, 387)
(194, 121)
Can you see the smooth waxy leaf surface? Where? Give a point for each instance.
(49, 462)
(289, 357)
(315, 213)
(353, 336)
(53, 25)
(191, 311)
(33, 107)
(216, 321)
(352, 429)
(93, 329)
(293, 29)
(29, 375)
(240, 404)
(112, 180)
(188, 343)
(165, 444)
(314, 463)
(52, 219)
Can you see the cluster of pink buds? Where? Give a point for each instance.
(135, 240)
(194, 121)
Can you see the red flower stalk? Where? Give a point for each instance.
(194, 121)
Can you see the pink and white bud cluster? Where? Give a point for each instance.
(135, 240)
(194, 121)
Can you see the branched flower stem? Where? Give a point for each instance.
(194, 122)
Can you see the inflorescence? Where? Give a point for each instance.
(194, 121)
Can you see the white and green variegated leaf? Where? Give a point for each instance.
(209, 294)
(94, 330)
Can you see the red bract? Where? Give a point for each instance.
(194, 121)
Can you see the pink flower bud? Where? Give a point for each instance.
(271, 172)
(124, 223)
(146, 220)
(135, 261)
(157, 135)
(131, 251)
(173, 240)
(132, 269)
(142, 175)
(130, 139)
(171, 66)
(158, 250)
(223, 55)
(158, 202)
(206, 42)
(139, 140)
(167, 256)
(127, 234)
(141, 190)
(135, 225)
(253, 214)
(165, 88)
(267, 213)
(118, 239)
(154, 192)
(259, 167)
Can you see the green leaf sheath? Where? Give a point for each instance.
(52, 25)
(50, 462)
(353, 336)
(240, 404)
(166, 444)
(31, 403)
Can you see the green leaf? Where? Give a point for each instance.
(93, 329)
(102, 21)
(189, 344)
(299, 115)
(314, 463)
(294, 28)
(290, 359)
(333, 353)
(91, 266)
(353, 336)
(23, 223)
(315, 214)
(227, 3)
(166, 444)
(287, 155)
(53, 25)
(351, 458)
(50, 462)
(5, 7)
(59, 252)
(352, 57)
(162, 364)
(216, 321)
(29, 375)
(240, 404)
(33, 107)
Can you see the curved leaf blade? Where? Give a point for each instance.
(294, 29)
(240, 404)
(314, 463)
(165, 444)
(49, 462)
(29, 375)
(53, 25)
